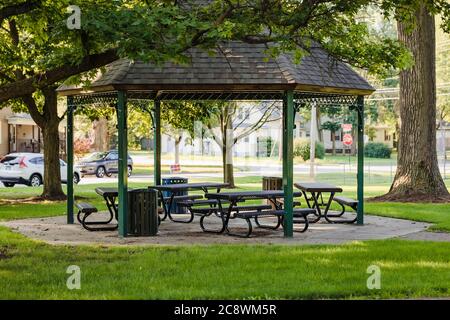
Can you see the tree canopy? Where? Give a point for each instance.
(39, 50)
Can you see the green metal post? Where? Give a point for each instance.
(288, 162)
(157, 143)
(360, 174)
(123, 161)
(69, 151)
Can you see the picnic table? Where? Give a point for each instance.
(316, 190)
(167, 203)
(232, 198)
(110, 195)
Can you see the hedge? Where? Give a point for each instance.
(377, 150)
(302, 149)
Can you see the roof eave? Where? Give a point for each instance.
(216, 87)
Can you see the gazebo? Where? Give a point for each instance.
(236, 72)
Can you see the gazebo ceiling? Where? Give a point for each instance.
(235, 67)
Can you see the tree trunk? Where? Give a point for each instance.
(101, 135)
(227, 153)
(177, 149)
(333, 141)
(418, 177)
(50, 133)
(319, 125)
(229, 168)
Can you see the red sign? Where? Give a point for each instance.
(347, 139)
(346, 127)
(175, 168)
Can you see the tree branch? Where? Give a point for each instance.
(17, 9)
(27, 86)
(33, 110)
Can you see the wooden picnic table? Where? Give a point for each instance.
(316, 190)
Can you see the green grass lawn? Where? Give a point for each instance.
(33, 270)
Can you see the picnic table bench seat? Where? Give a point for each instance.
(201, 202)
(344, 202)
(206, 212)
(177, 199)
(237, 209)
(85, 210)
(297, 213)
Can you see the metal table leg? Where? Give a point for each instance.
(315, 205)
(112, 207)
(224, 215)
(171, 202)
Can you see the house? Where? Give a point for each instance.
(265, 142)
(260, 143)
(19, 133)
(443, 137)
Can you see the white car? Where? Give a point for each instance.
(28, 169)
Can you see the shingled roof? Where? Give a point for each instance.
(236, 66)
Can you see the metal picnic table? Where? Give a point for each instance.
(317, 189)
(167, 204)
(110, 195)
(239, 196)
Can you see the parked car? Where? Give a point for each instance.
(28, 169)
(102, 163)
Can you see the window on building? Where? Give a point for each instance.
(387, 136)
(337, 136)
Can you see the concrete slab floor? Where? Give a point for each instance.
(54, 230)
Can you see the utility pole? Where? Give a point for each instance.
(312, 148)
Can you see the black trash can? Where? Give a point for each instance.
(167, 194)
(142, 212)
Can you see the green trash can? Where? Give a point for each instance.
(142, 212)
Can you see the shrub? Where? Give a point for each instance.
(81, 146)
(377, 150)
(302, 148)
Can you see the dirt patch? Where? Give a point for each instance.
(34, 200)
(410, 198)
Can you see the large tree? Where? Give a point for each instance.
(228, 123)
(39, 52)
(181, 118)
(418, 176)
